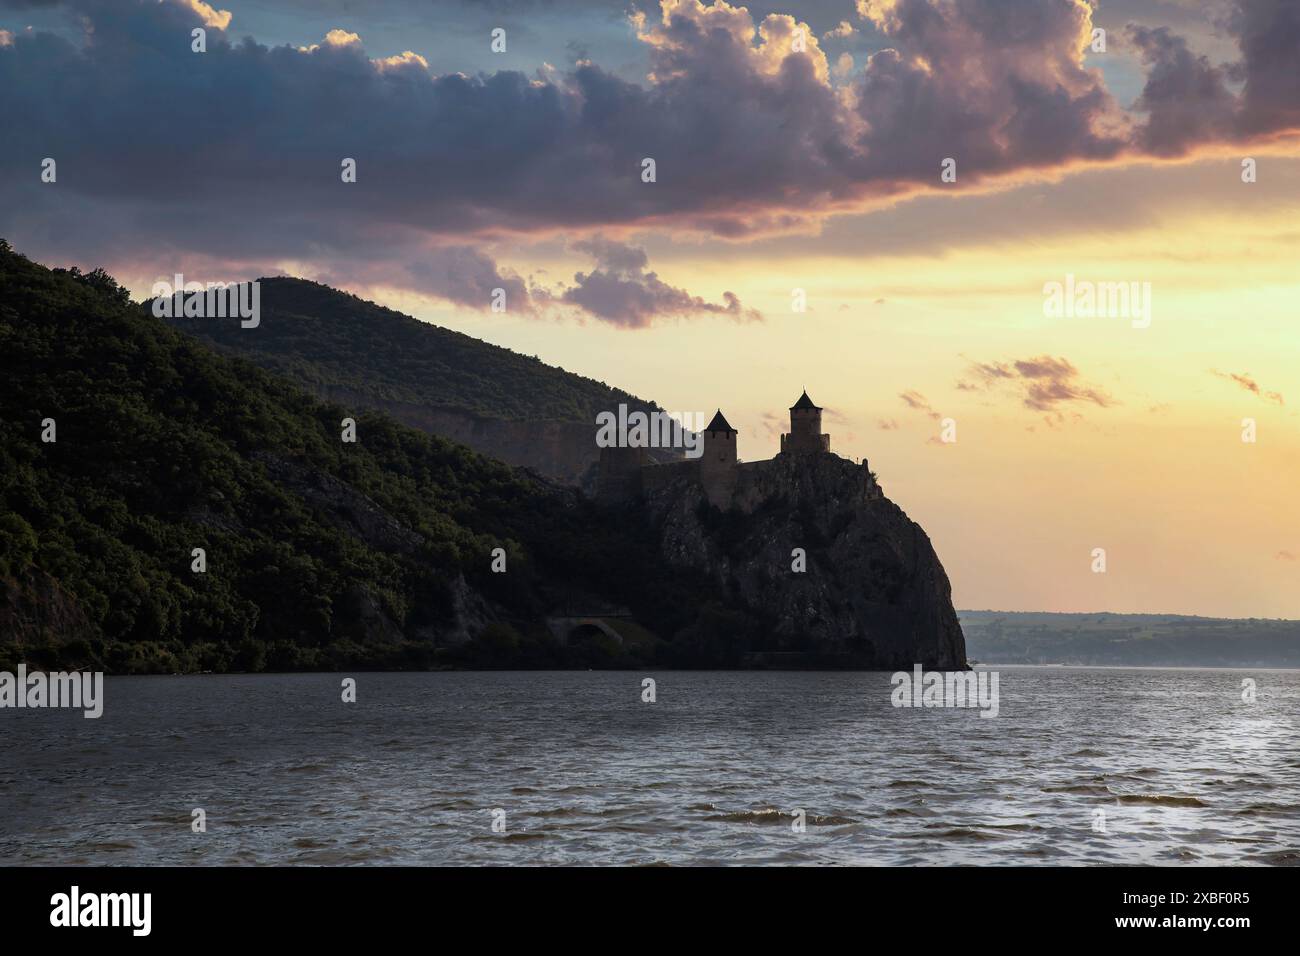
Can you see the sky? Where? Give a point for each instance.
(799, 232)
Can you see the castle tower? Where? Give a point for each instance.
(805, 435)
(718, 462)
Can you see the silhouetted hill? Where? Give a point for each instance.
(346, 349)
(319, 553)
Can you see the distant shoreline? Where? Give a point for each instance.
(1108, 639)
(668, 670)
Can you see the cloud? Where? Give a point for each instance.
(1187, 99)
(235, 153)
(1250, 385)
(464, 275)
(620, 290)
(1191, 102)
(1268, 34)
(1044, 383)
(887, 425)
(1286, 556)
(992, 370)
(220, 19)
(915, 400)
(997, 86)
(843, 68)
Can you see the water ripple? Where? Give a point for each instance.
(1083, 766)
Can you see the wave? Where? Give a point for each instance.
(1161, 800)
(773, 815)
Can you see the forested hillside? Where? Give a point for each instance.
(320, 336)
(319, 553)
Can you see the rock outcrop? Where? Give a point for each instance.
(873, 594)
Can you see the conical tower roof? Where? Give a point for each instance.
(719, 424)
(804, 403)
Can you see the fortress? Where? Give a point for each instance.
(625, 473)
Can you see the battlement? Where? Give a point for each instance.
(793, 445)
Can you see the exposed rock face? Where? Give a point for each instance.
(34, 607)
(874, 594)
(471, 614)
(561, 451)
(341, 504)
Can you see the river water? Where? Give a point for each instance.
(1080, 766)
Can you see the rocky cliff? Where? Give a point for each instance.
(873, 593)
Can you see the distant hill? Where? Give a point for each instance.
(1153, 640)
(319, 553)
(346, 349)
